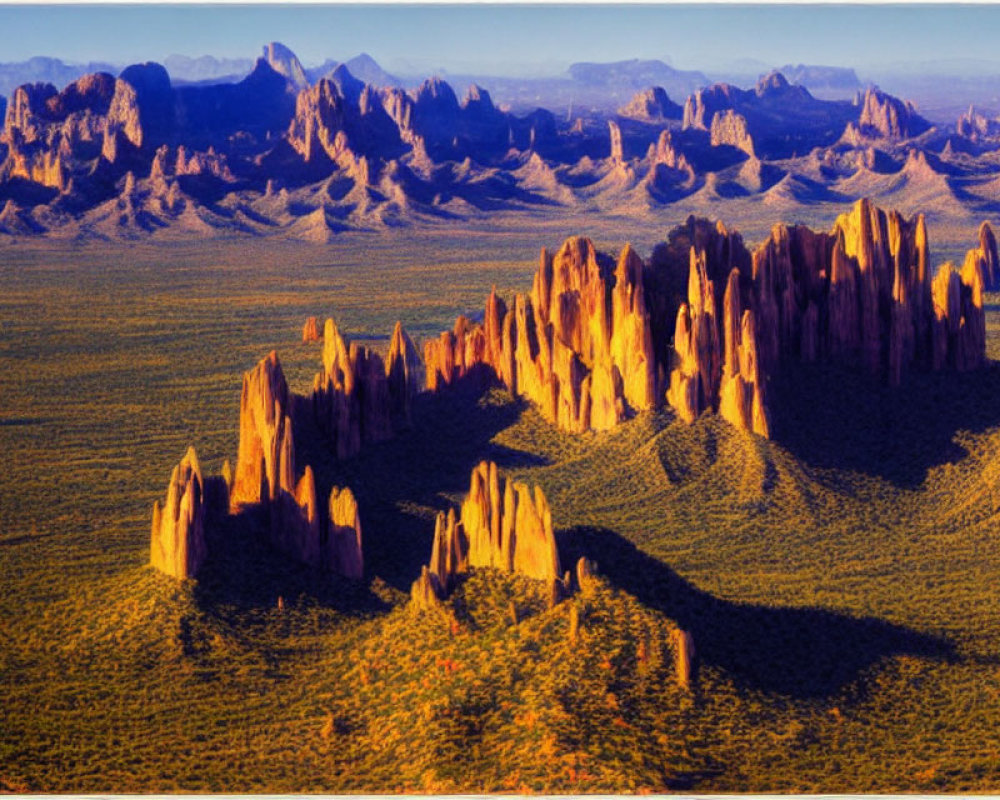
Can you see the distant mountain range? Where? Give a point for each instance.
(285, 150)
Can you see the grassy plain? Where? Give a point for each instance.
(839, 581)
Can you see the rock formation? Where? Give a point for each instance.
(310, 331)
(885, 116)
(860, 296)
(579, 346)
(976, 126)
(651, 105)
(730, 128)
(404, 372)
(357, 397)
(617, 149)
(683, 645)
(343, 541)
(178, 545)
(986, 257)
(325, 538)
(502, 524)
(265, 464)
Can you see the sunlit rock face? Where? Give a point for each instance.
(883, 115)
(343, 540)
(986, 257)
(358, 397)
(730, 128)
(310, 331)
(265, 464)
(177, 545)
(860, 296)
(501, 524)
(651, 105)
(579, 345)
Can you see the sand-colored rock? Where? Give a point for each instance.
(860, 296)
(617, 149)
(684, 655)
(651, 105)
(404, 372)
(344, 554)
(177, 544)
(502, 524)
(357, 397)
(883, 115)
(730, 128)
(986, 255)
(741, 395)
(265, 464)
(579, 346)
(310, 331)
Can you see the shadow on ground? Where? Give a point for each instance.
(245, 573)
(401, 484)
(835, 418)
(798, 652)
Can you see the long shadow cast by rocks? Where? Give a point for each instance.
(398, 481)
(797, 652)
(835, 418)
(245, 573)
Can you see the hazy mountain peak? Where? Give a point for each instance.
(286, 63)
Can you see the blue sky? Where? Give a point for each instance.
(512, 39)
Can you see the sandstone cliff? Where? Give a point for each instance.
(177, 544)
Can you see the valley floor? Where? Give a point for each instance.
(839, 581)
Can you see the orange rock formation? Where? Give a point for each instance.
(579, 346)
(357, 397)
(502, 524)
(178, 532)
(861, 296)
(310, 331)
(265, 464)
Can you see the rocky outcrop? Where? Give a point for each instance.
(343, 541)
(265, 464)
(178, 546)
(651, 105)
(701, 107)
(742, 399)
(668, 167)
(976, 126)
(310, 331)
(579, 346)
(324, 538)
(860, 296)
(730, 128)
(885, 116)
(617, 148)
(502, 524)
(285, 63)
(404, 372)
(986, 257)
(682, 644)
(359, 398)
(317, 129)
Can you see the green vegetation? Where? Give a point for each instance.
(839, 581)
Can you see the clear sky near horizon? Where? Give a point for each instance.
(509, 39)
